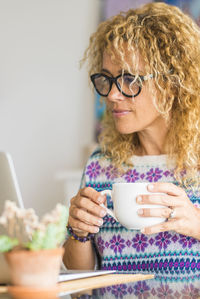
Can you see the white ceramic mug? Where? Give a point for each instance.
(125, 205)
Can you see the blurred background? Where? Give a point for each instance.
(49, 117)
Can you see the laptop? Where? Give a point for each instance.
(9, 190)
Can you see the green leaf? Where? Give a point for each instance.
(7, 243)
(53, 236)
(62, 225)
(37, 241)
(50, 239)
(55, 232)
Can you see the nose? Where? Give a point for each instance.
(115, 95)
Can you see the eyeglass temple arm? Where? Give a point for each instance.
(146, 77)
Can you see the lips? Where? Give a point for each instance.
(120, 112)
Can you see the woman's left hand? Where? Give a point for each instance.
(186, 217)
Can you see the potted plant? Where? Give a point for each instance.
(31, 247)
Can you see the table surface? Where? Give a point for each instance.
(142, 289)
(145, 289)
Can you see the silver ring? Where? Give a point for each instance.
(172, 214)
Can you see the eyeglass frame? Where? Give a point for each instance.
(114, 80)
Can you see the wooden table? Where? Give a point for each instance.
(76, 285)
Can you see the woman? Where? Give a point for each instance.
(146, 65)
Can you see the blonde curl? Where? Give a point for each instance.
(169, 43)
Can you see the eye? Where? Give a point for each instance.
(104, 79)
(101, 80)
(128, 79)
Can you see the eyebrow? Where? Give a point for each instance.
(120, 72)
(107, 71)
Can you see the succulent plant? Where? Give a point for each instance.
(6, 243)
(25, 231)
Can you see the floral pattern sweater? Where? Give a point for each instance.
(169, 255)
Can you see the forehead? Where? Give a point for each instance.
(127, 61)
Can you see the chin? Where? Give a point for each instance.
(125, 131)
(126, 126)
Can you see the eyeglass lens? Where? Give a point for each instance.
(125, 83)
(102, 85)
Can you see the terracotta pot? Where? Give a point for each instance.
(35, 268)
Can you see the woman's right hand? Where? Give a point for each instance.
(85, 213)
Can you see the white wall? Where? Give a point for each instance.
(46, 106)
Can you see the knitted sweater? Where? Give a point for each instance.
(169, 255)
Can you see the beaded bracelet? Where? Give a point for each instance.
(75, 237)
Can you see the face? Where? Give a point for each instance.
(131, 114)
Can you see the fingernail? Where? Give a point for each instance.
(150, 187)
(140, 212)
(103, 213)
(100, 199)
(139, 199)
(100, 221)
(96, 229)
(142, 230)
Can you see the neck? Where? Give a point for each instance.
(152, 141)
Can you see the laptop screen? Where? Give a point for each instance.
(9, 190)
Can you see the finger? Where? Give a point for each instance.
(160, 199)
(92, 194)
(167, 188)
(162, 227)
(77, 224)
(90, 206)
(163, 213)
(180, 213)
(85, 217)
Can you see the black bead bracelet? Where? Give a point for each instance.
(75, 237)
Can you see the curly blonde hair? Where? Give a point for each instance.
(169, 43)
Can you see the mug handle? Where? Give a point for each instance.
(110, 212)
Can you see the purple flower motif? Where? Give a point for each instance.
(111, 172)
(130, 290)
(93, 170)
(128, 243)
(119, 290)
(142, 176)
(103, 170)
(177, 295)
(163, 240)
(151, 241)
(140, 242)
(131, 176)
(102, 291)
(153, 292)
(183, 172)
(166, 173)
(107, 244)
(190, 292)
(117, 244)
(174, 238)
(141, 290)
(153, 175)
(187, 241)
(100, 243)
(164, 292)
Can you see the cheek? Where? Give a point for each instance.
(144, 105)
(147, 114)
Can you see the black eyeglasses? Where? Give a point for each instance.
(129, 85)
